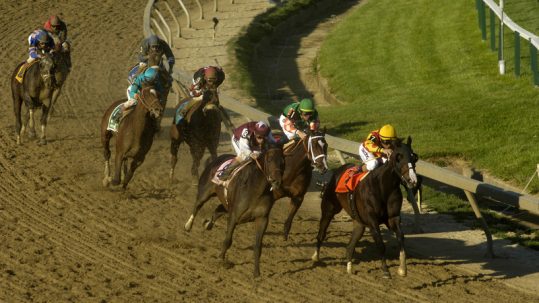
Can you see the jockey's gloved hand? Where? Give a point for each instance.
(254, 155)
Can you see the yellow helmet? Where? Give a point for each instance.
(387, 132)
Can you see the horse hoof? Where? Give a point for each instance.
(115, 182)
(106, 182)
(402, 272)
(208, 224)
(349, 268)
(227, 264)
(387, 275)
(315, 257)
(31, 134)
(42, 142)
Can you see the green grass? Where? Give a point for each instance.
(525, 13)
(423, 68)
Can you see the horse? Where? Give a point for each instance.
(247, 197)
(376, 200)
(62, 60)
(201, 131)
(134, 137)
(35, 91)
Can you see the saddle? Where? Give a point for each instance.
(217, 177)
(349, 180)
(22, 70)
(186, 109)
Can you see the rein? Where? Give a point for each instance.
(310, 148)
(143, 101)
(263, 169)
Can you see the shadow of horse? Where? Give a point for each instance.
(247, 197)
(376, 200)
(134, 137)
(201, 130)
(35, 91)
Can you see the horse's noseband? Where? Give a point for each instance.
(310, 150)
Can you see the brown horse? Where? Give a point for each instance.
(134, 137)
(377, 200)
(300, 159)
(35, 91)
(247, 197)
(200, 132)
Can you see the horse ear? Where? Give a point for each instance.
(324, 130)
(409, 141)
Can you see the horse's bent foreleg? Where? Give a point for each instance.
(330, 207)
(261, 224)
(394, 225)
(202, 197)
(375, 231)
(219, 211)
(357, 233)
(231, 226)
(295, 203)
(197, 151)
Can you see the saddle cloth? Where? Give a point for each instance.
(186, 109)
(114, 119)
(22, 70)
(349, 180)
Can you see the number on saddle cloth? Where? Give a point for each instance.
(22, 70)
(114, 119)
(217, 177)
(179, 116)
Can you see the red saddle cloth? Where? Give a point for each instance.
(349, 180)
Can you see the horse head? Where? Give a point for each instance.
(149, 98)
(210, 99)
(317, 148)
(403, 161)
(273, 162)
(46, 70)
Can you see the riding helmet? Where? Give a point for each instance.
(306, 105)
(387, 132)
(261, 129)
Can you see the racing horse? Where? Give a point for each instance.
(300, 159)
(134, 137)
(35, 92)
(201, 130)
(377, 200)
(247, 197)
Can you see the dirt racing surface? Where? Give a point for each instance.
(65, 238)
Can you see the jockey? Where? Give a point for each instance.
(155, 44)
(376, 148)
(40, 43)
(58, 31)
(298, 117)
(150, 77)
(249, 141)
(206, 77)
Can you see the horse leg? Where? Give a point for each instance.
(44, 115)
(261, 224)
(329, 207)
(219, 211)
(295, 203)
(357, 233)
(129, 175)
(118, 165)
(54, 97)
(394, 225)
(174, 146)
(375, 231)
(31, 124)
(231, 226)
(197, 151)
(105, 138)
(203, 196)
(17, 106)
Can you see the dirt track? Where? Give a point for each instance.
(64, 238)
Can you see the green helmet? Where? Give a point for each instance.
(306, 105)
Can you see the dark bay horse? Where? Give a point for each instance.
(248, 196)
(35, 91)
(134, 137)
(201, 132)
(300, 159)
(377, 199)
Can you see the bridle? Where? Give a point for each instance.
(264, 169)
(403, 171)
(310, 150)
(150, 107)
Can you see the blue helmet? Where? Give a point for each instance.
(42, 37)
(153, 40)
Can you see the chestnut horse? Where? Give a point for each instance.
(35, 91)
(202, 131)
(377, 200)
(62, 59)
(134, 137)
(247, 197)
